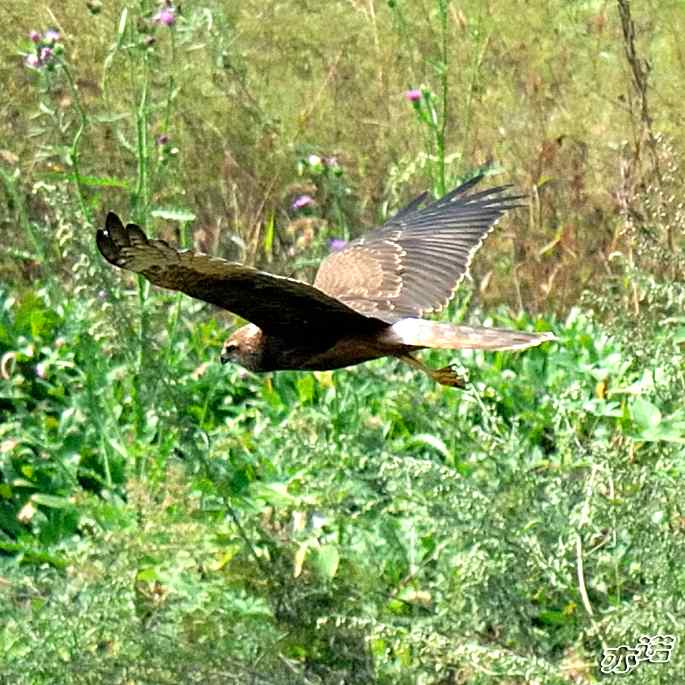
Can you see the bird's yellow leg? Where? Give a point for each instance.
(445, 376)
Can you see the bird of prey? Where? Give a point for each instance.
(367, 299)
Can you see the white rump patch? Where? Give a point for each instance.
(447, 336)
(411, 332)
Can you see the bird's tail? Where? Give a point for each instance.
(447, 336)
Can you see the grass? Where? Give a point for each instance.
(164, 519)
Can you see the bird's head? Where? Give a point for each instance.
(244, 347)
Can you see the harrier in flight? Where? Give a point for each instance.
(366, 300)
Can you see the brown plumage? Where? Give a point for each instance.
(365, 299)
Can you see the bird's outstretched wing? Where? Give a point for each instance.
(278, 305)
(414, 262)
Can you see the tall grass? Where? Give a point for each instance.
(538, 90)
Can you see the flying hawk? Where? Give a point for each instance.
(366, 301)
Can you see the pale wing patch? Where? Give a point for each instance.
(422, 253)
(362, 271)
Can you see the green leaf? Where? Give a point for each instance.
(274, 493)
(645, 414)
(327, 560)
(269, 236)
(670, 429)
(298, 561)
(602, 408)
(147, 575)
(109, 117)
(271, 396)
(102, 181)
(51, 501)
(180, 215)
(434, 442)
(552, 617)
(305, 387)
(121, 29)
(32, 556)
(33, 317)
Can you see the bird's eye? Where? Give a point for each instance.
(228, 353)
(230, 349)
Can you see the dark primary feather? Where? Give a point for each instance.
(278, 305)
(409, 208)
(413, 263)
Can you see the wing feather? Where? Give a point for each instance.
(278, 305)
(414, 262)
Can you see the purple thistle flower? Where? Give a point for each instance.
(302, 201)
(32, 61)
(51, 36)
(413, 95)
(46, 55)
(34, 36)
(337, 244)
(166, 16)
(162, 139)
(331, 161)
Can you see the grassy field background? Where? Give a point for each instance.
(164, 519)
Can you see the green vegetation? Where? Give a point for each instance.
(164, 519)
